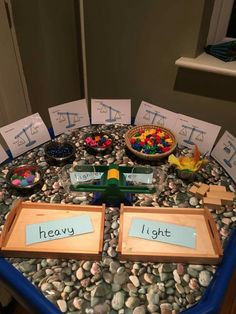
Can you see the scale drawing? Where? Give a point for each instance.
(67, 115)
(156, 114)
(116, 116)
(21, 140)
(199, 137)
(229, 149)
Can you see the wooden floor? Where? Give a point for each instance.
(14, 308)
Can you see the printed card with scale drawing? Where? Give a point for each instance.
(25, 134)
(225, 153)
(69, 116)
(190, 132)
(151, 114)
(111, 111)
(3, 154)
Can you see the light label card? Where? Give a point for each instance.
(151, 114)
(3, 154)
(111, 111)
(163, 232)
(57, 229)
(190, 132)
(77, 177)
(69, 116)
(225, 153)
(25, 134)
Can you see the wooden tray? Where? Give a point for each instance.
(83, 246)
(208, 247)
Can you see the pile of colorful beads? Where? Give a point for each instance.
(59, 151)
(25, 178)
(97, 140)
(151, 141)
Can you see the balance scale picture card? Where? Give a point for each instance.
(69, 116)
(190, 132)
(225, 153)
(152, 114)
(111, 111)
(3, 154)
(25, 134)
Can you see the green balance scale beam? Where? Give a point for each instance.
(113, 187)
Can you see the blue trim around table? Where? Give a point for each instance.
(34, 301)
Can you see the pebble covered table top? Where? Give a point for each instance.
(111, 285)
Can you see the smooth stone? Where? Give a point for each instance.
(111, 252)
(132, 302)
(204, 278)
(153, 298)
(107, 276)
(62, 305)
(193, 201)
(176, 276)
(149, 278)
(80, 273)
(179, 288)
(134, 280)
(120, 279)
(46, 286)
(192, 272)
(196, 267)
(87, 265)
(95, 269)
(101, 309)
(26, 267)
(118, 300)
(140, 310)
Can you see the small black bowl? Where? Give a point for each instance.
(59, 153)
(98, 150)
(25, 177)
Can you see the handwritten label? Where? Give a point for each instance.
(163, 232)
(25, 134)
(69, 116)
(3, 154)
(77, 177)
(110, 111)
(57, 229)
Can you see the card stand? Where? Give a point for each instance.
(208, 248)
(83, 246)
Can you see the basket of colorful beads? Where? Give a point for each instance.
(150, 142)
(98, 143)
(24, 177)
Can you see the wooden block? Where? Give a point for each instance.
(225, 197)
(193, 190)
(217, 188)
(202, 190)
(213, 203)
(197, 184)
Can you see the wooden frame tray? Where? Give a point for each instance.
(208, 247)
(83, 246)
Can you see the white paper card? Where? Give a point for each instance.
(69, 116)
(25, 134)
(110, 111)
(225, 153)
(3, 154)
(151, 114)
(190, 132)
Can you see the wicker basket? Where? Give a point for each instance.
(129, 134)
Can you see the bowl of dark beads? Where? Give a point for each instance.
(59, 153)
(25, 177)
(98, 144)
